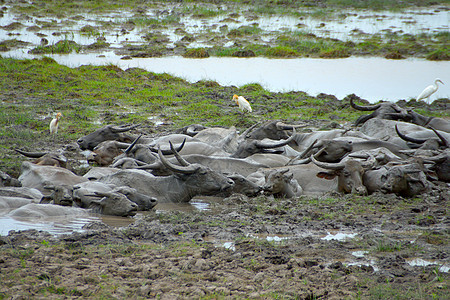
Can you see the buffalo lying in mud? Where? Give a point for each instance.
(391, 111)
(109, 132)
(385, 156)
(187, 181)
(385, 110)
(47, 158)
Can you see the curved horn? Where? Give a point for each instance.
(181, 160)
(168, 152)
(363, 108)
(247, 131)
(278, 144)
(326, 165)
(302, 155)
(31, 154)
(407, 138)
(443, 140)
(191, 130)
(179, 169)
(132, 145)
(123, 129)
(283, 126)
(363, 119)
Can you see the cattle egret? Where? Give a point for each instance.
(55, 123)
(243, 103)
(429, 90)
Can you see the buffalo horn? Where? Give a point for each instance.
(327, 165)
(192, 130)
(123, 129)
(168, 152)
(128, 150)
(443, 140)
(181, 160)
(247, 131)
(278, 144)
(407, 138)
(302, 155)
(283, 126)
(179, 169)
(31, 154)
(364, 108)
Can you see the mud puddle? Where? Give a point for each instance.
(68, 225)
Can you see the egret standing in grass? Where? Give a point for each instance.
(55, 123)
(243, 103)
(429, 90)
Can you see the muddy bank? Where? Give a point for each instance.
(260, 248)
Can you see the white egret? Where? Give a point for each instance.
(429, 90)
(55, 123)
(243, 103)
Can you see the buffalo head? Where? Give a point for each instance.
(197, 178)
(109, 132)
(349, 173)
(248, 147)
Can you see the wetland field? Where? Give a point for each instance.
(96, 63)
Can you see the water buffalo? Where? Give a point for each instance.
(47, 158)
(274, 130)
(349, 173)
(187, 181)
(6, 180)
(439, 142)
(21, 192)
(434, 122)
(242, 186)
(109, 132)
(84, 193)
(406, 179)
(384, 110)
(108, 152)
(36, 176)
(191, 130)
(281, 183)
(109, 203)
(385, 130)
(8, 203)
(44, 211)
(247, 146)
(61, 195)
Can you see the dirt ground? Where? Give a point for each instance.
(254, 248)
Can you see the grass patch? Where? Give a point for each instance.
(61, 47)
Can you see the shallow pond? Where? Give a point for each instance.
(372, 79)
(345, 25)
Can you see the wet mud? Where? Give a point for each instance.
(330, 247)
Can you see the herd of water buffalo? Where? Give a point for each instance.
(391, 150)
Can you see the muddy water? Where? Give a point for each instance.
(373, 79)
(67, 225)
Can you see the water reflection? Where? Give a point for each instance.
(373, 78)
(339, 236)
(419, 262)
(52, 225)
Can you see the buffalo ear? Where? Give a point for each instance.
(325, 175)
